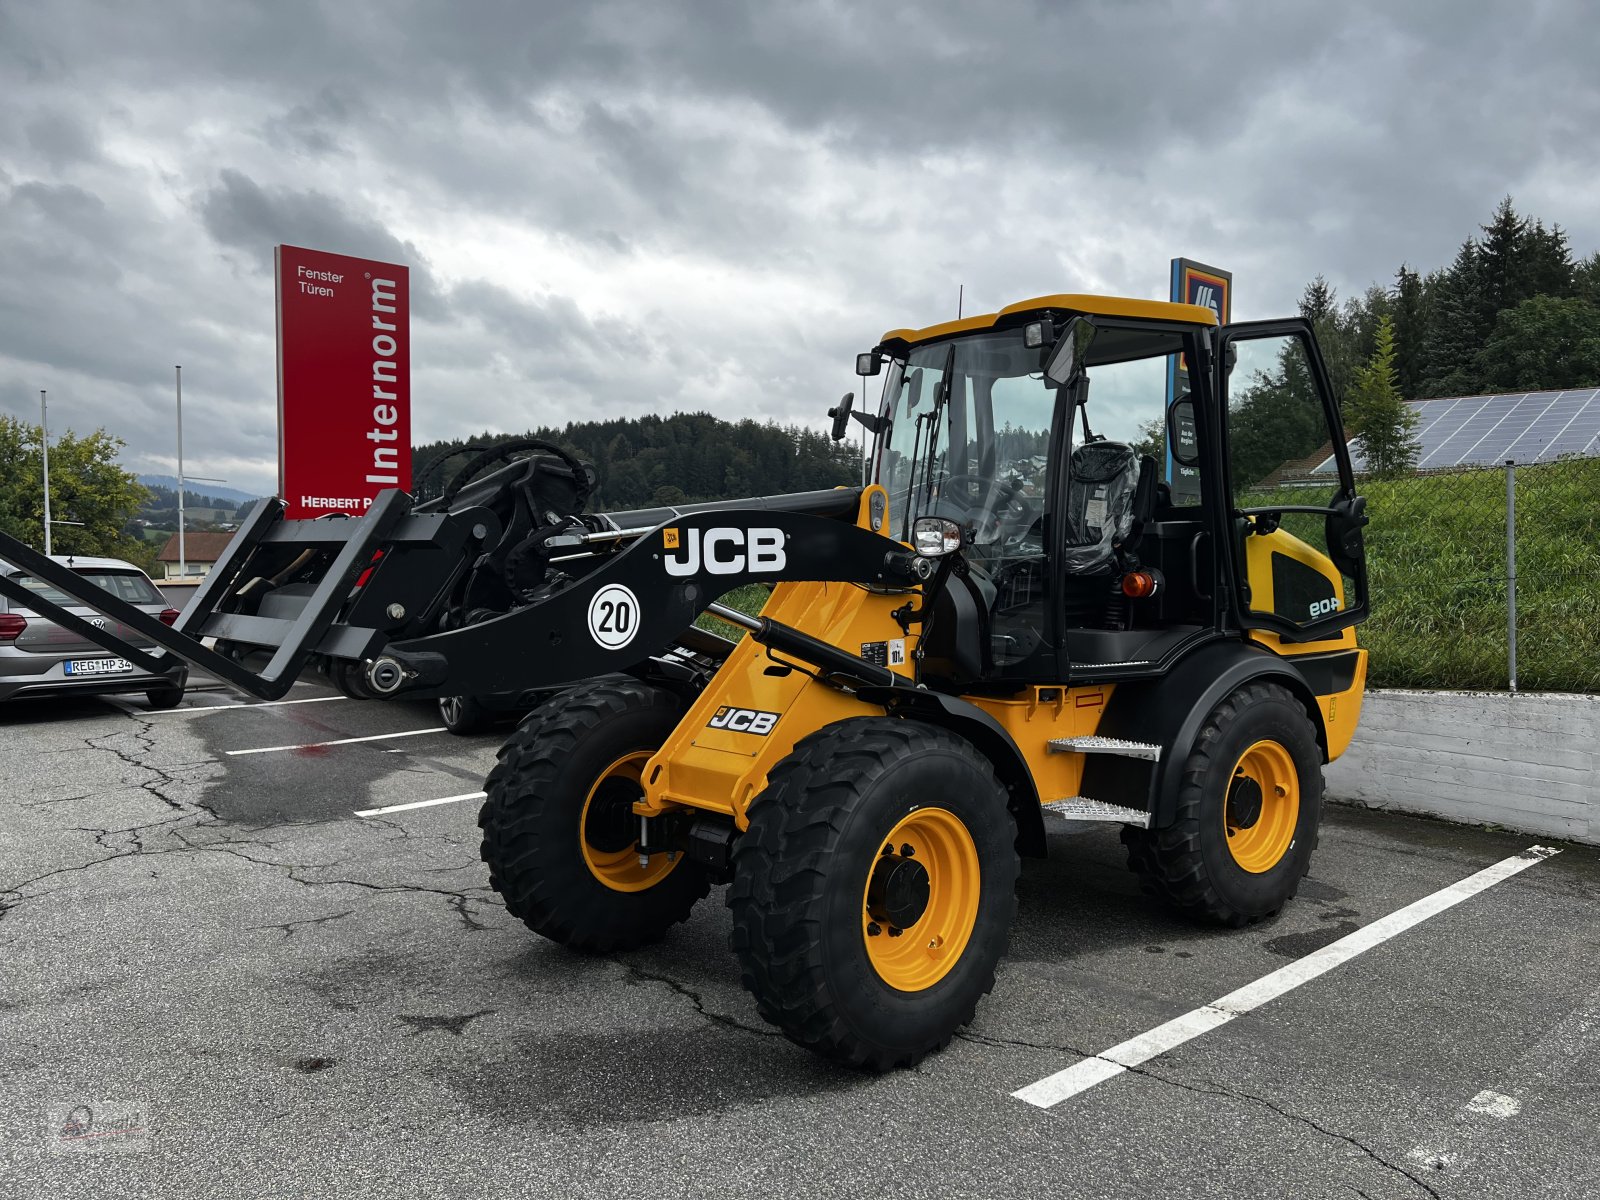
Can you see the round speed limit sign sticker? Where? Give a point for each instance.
(613, 616)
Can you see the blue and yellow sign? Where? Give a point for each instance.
(1192, 283)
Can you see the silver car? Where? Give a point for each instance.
(40, 658)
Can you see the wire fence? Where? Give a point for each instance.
(1452, 608)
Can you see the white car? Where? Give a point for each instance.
(39, 657)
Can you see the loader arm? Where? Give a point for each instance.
(378, 590)
(643, 598)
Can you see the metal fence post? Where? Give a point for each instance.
(1511, 570)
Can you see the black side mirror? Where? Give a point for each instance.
(1066, 360)
(841, 415)
(1181, 440)
(1347, 544)
(869, 363)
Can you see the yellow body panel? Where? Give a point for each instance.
(722, 770)
(1044, 713)
(1341, 710)
(1102, 306)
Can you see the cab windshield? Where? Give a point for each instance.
(968, 437)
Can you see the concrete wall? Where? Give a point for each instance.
(1529, 761)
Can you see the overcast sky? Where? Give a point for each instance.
(621, 208)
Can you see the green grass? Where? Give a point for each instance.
(1436, 557)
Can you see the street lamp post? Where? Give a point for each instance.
(183, 564)
(183, 561)
(44, 444)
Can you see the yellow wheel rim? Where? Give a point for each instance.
(1262, 807)
(610, 844)
(926, 874)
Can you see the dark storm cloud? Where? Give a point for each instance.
(239, 213)
(627, 206)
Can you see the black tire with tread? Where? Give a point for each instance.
(468, 716)
(158, 699)
(799, 873)
(1188, 863)
(530, 819)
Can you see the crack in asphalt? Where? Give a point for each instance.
(145, 739)
(451, 1025)
(637, 976)
(289, 927)
(13, 895)
(1211, 1089)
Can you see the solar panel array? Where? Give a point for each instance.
(1526, 427)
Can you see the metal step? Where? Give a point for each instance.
(1081, 808)
(1095, 744)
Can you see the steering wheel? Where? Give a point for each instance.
(971, 491)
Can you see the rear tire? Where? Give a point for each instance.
(158, 699)
(816, 874)
(556, 823)
(1249, 807)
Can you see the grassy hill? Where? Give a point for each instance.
(1436, 553)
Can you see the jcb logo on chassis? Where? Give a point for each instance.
(723, 551)
(744, 720)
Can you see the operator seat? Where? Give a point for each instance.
(1105, 480)
(1110, 498)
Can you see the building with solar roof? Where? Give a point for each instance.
(1474, 431)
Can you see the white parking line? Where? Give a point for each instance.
(376, 737)
(1083, 1075)
(200, 708)
(378, 812)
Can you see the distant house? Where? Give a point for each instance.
(200, 553)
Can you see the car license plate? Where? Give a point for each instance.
(98, 666)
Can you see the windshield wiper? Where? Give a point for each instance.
(941, 398)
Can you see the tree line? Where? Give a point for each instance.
(681, 458)
(1514, 311)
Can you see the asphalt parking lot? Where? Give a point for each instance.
(262, 992)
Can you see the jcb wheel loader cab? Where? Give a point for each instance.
(873, 893)
(559, 832)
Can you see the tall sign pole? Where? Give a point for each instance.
(344, 381)
(183, 562)
(44, 444)
(1209, 287)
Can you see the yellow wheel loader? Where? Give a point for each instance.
(1016, 620)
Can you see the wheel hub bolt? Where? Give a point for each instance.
(908, 851)
(873, 929)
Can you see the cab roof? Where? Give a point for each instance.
(1074, 302)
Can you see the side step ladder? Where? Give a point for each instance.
(1095, 744)
(1081, 808)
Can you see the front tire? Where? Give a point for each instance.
(559, 834)
(158, 699)
(873, 893)
(1249, 807)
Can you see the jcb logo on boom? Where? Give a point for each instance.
(744, 720)
(723, 551)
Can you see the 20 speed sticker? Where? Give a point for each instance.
(613, 616)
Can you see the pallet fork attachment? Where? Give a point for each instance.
(293, 640)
